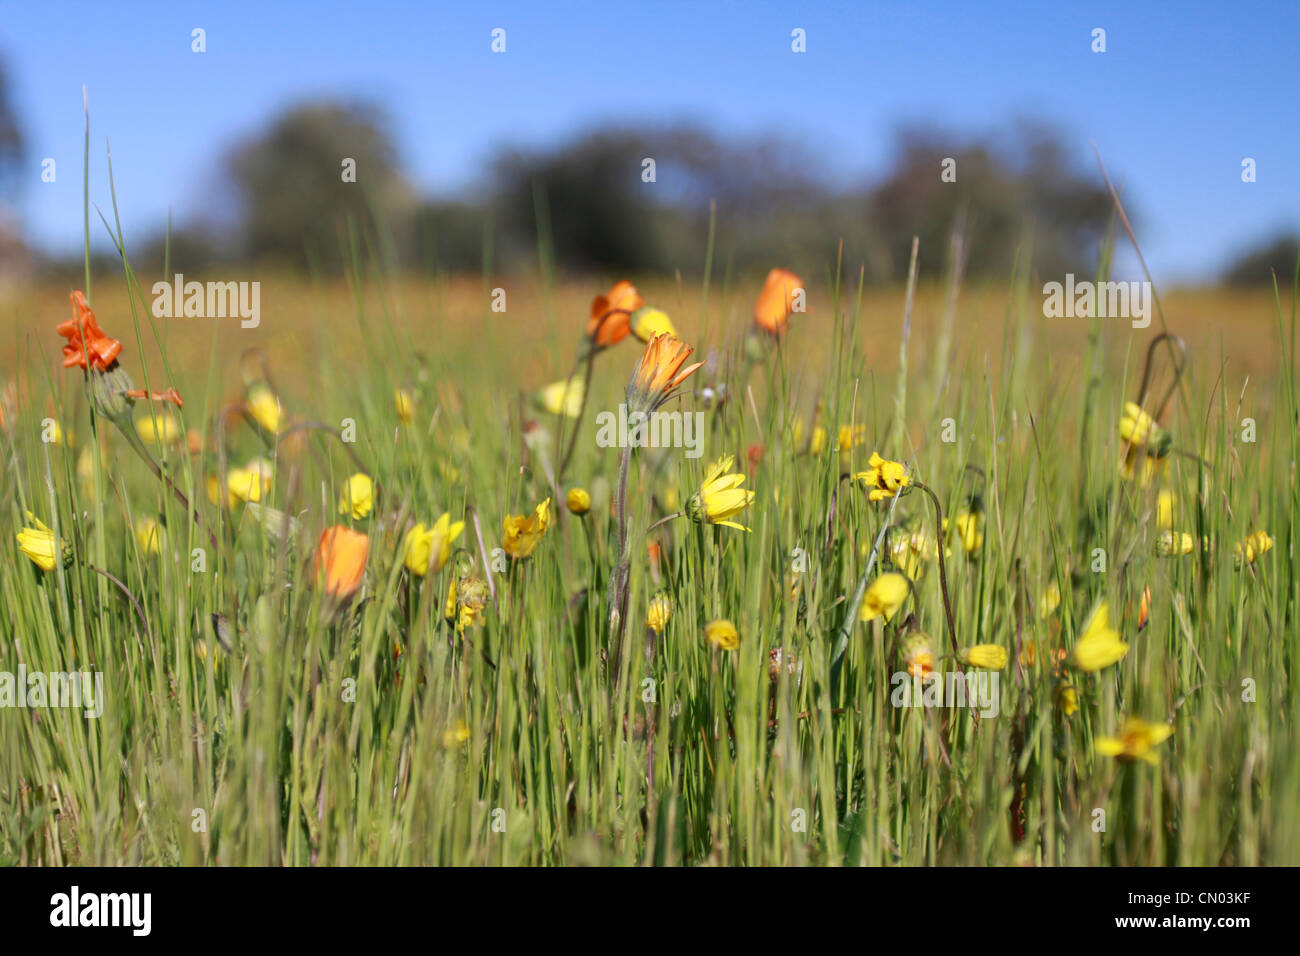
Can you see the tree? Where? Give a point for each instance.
(1257, 266)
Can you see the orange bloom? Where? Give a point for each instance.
(611, 314)
(86, 338)
(776, 301)
(1144, 609)
(341, 560)
(659, 372)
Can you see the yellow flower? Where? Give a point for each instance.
(885, 478)
(649, 322)
(918, 656)
(1165, 500)
(404, 405)
(989, 657)
(720, 496)
(885, 596)
(263, 405)
(523, 532)
(250, 483)
(657, 614)
(1067, 699)
(429, 549)
(466, 599)
(967, 525)
(149, 534)
(722, 634)
(578, 501)
(563, 397)
(1100, 646)
(1049, 601)
(817, 444)
(1254, 545)
(1146, 445)
(38, 544)
(850, 437)
(358, 498)
(1171, 544)
(456, 735)
(1135, 740)
(158, 428)
(911, 552)
(1138, 428)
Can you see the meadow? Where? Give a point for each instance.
(303, 665)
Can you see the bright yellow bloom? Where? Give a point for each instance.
(263, 405)
(1146, 445)
(1165, 500)
(429, 549)
(885, 478)
(1049, 601)
(39, 546)
(456, 735)
(578, 501)
(1067, 699)
(149, 534)
(967, 525)
(1254, 545)
(989, 657)
(466, 599)
(358, 498)
(158, 427)
(1171, 544)
(1135, 740)
(404, 405)
(720, 496)
(563, 397)
(523, 532)
(722, 634)
(1100, 646)
(885, 596)
(649, 322)
(657, 614)
(250, 483)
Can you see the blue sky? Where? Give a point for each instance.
(1183, 93)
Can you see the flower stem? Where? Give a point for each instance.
(943, 571)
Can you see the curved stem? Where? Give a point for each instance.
(665, 519)
(573, 438)
(943, 571)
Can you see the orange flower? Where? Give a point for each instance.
(659, 372)
(1144, 609)
(611, 314)
(87, 339)
(341, 560)
(776, 301)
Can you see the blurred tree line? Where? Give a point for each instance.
(324, 183)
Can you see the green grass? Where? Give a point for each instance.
(313, 740)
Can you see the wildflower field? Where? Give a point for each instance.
(365, 585)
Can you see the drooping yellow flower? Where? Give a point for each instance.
(578, 501)
(1137, 427)
(720, 496)
(648, 322)
(885, 478)
(264, 407)
(1172, 544)
(358, 497)
(39, 546)
(429, 549)
(1049, 601)
(967, 525)
(149, 535)
(563, 397)
(1100, 646)
(1254, 545)
(884, 597)
(1135, 741)
(989, 657)
(658, 612)
(911, 552)
(522, 532)
(1067, 699)
(1165, 500)
(722, 634)
(1146, 445)
(404, 405)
